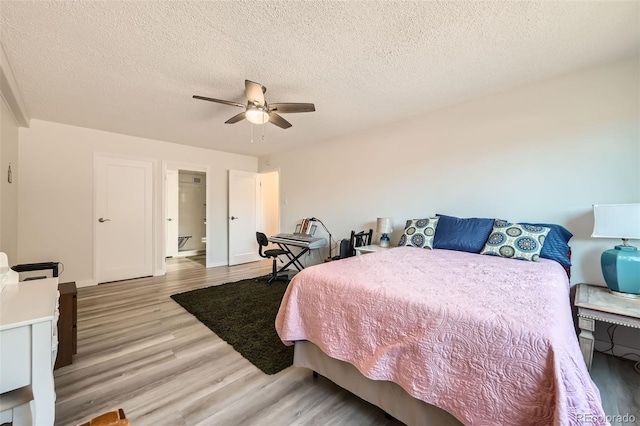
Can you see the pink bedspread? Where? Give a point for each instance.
(488, 339)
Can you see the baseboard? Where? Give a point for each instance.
(84, 283)
(618, 350)
(216, 264)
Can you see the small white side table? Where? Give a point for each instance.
(597, 303)
(370, 249)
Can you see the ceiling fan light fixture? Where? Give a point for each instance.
(257, 116)
(257, 111)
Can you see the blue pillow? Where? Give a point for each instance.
(556, 245)
(454, 233)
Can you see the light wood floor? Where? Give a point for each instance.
(140, 351)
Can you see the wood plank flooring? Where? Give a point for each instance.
(140, 351)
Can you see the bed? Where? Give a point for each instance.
(444, 337)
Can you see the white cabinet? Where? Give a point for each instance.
(28, 343)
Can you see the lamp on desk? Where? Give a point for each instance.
(385, 227)
(325, 228)
(621, 264)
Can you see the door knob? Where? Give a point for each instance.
(234, 217)
(169, 219)
(104, 220)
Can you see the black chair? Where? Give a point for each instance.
(359, 239)
(272, 253)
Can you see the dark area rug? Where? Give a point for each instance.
(243, 314)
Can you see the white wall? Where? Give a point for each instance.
(8, 191)
(544, 152)
(56, 192)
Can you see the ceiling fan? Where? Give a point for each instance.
(257, 110)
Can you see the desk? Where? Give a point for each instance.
(305, 244)
(28, 342)
(597, 303)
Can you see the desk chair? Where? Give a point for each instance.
(359, 239)
(272, 253)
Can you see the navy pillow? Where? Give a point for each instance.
(556, 245)
(454, 233)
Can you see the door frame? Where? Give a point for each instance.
(176, 215)
(179, 165)
(154, 164)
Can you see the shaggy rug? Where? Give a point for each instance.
(243, 314)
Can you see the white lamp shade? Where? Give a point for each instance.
(257, 116)
(385, 225)
(616, 221)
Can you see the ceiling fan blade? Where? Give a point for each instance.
(236, 118)
(255, 92)
(286, 108)
(278, 121)
(219, 101)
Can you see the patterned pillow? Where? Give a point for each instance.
(419, 233)
(515, 240)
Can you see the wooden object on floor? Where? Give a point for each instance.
(67, 324)
(112, 418)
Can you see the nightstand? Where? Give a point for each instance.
(596, 303)
(370, 249)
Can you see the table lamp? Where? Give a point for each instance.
(621, 264)
(385, 227)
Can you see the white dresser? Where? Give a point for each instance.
(28, 342)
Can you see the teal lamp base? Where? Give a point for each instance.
(621, 269)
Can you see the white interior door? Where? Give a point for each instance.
(172, 213)
(122, 218)
(244, 216)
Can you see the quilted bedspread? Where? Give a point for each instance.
(488, 339)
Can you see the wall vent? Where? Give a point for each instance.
(196, 180)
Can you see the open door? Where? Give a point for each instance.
(270, 206)
(171, 187)
(244, 216)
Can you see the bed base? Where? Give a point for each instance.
(388, 396)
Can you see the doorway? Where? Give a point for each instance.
(254, 205)
(186, 213)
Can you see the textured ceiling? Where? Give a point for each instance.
(132, 67)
